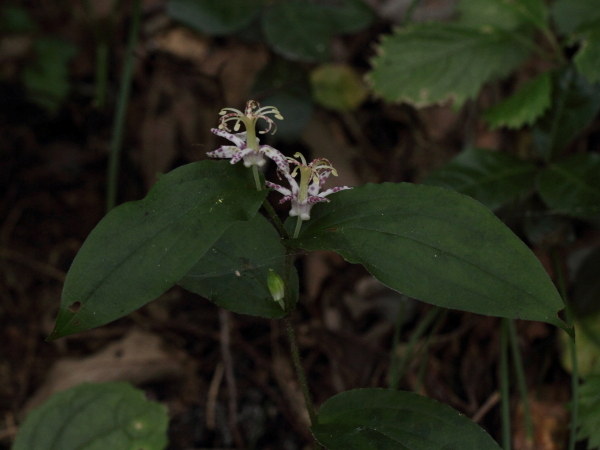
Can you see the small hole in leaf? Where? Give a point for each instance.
(75, 307)
(77, 323)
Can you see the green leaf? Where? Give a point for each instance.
(140, 249)
(525, 106)
(302, 31)
(370, 419)
(572, 186)
(587, 347)
(214, 17)
(298, 30)
(503, 14)
(575, 103)
(14, 19)
(348, 16)
(95, 417)
(490, 177)
(587, 58)
(426, 64)
(437, 246)
(233, 273)
(589, 411)
(46, 78)
(569, 15)
(338, 87)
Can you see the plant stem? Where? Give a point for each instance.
(275, 220)
(562, 288)
(256, 177)
(119, 122)
(300, 370)
(298, 226)
(394, 360)
(504, 386)
(518, 364)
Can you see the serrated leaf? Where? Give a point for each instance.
(214, 17)
(140, 249)
(95, 417)
(575, 103)
(502, 14)
(571, 186)
(587, 58)
(589, 411)
(233, 273)
(569, 15)
(369, 419)
(437, 246)
(492, 178)
(426, 64)
(338, 87)
(525, 106)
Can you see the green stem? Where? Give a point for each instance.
(410, 11)
(394, 360)
(504, 386)
(562, 287)
(256, 177)
(298, 226)
(101, 72)
(421, 328)
(300, 370)
(518, 364)
(275, 220)
(423, 354)
(119, 122)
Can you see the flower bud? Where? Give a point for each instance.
(276, 287)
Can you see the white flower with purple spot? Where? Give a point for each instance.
(247, 145)
(304, 195)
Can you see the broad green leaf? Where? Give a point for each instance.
(338, 87)
(569, 15)
(586, 286)
(572, 186)
(95, 417)
(233, 272)
(587, 58)
(302, 31)
(589, 411)
(525, 106)
(575, 103)
(503, 14)
(298, 30)
(140, 249)
(214, 17)
(490, 177)
(426, 64)
(382, 419)
(348, 16)
(14, 19)
(46, 78)
(437, 246)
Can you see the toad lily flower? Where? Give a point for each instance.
(247, 145)
(304, 195)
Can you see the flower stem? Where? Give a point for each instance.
(275, 220)
(300, 370)
(119, 121)
(298, 226)
(256, 177)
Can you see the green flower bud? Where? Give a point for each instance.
(276, 287)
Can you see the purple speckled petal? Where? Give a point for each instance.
(240, 154)
(334, 190)
(316, 199)
(323, 177)
(225, 151)
(236, 139)
(276, 156)
(278, 188)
